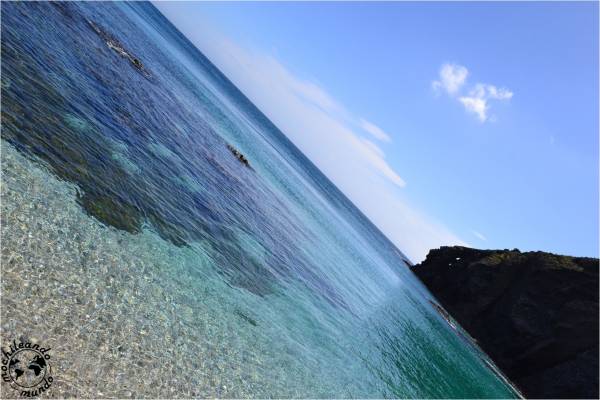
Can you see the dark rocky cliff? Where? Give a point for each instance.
(535, 314)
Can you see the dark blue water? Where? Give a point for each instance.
(274, 281)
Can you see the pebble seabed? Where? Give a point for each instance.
(128, 315)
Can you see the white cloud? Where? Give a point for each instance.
(374, 130)
(373, 147)
(493, 92)
(308, 115)
(479, 236)
(475, 105)
(323, 129)
(477, 101)
(375, 155)
(453, 77)
(313, 93)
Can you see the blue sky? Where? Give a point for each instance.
(446, 123)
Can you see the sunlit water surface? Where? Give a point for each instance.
(154, 263)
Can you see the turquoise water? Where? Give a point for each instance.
(162, 266)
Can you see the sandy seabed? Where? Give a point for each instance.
(127, 315)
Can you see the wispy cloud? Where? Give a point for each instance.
(479, 236)
(330, 136)
(375, 156)
(373, 147)
(453, 77)
(305, 111)
(310, 91)
(374, 130)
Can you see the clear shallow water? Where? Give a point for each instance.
(164, 267)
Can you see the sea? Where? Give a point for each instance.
(154, 262)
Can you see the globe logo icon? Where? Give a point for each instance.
(27, 368)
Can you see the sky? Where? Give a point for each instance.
(445, 123)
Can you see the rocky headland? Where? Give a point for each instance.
(535, 314)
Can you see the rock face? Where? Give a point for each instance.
(535, 314)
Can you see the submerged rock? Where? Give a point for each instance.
(245, 317)
(112, 212)
(535, 314)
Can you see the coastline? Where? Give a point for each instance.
(535, 314)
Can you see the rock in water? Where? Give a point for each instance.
(239, 155)
(535, 314)
(114, 44)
